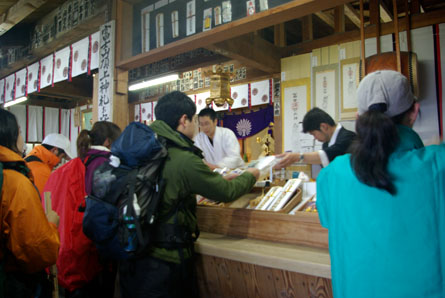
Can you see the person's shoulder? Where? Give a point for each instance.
(348, 132)
(226, 131)
(340, 163)
(199, 136)
(16, 181)
(433, 152)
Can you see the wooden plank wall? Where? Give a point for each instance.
(218, 277)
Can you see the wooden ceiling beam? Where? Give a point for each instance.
(352, 14)
(417, 21)
(283, 13)
(82, 89)
(250, 50)
(16, 13)
(327, 18)
(385, 14)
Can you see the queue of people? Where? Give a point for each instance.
(383, 240)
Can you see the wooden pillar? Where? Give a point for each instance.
(280, 35)
(339, 19)
(374, 17)
(95, 96)
(308, 31)
(122, 13)
(362, 40)
(415, 6)
(120, 102)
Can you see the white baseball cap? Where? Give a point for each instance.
(59, 141)
(388, 87)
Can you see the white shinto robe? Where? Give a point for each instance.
(225, 151)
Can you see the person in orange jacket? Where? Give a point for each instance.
(29, 239)
(43, 158)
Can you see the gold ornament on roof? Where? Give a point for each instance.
(219, 87)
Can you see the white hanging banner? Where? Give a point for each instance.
(61, 69)
(80, 57)
(94, 50)
(2, 91)
(146, 111)
(46, 71)
(9, 88)
(201, 101)
(240, 95)
(137, 113)
(74, 132)
(35, 124)
(33, 77)
(51, 120)
(19, 112)
(65, 122)
(20, 83)
(260, 92)
(106, 72)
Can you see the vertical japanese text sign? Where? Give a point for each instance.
(106, 72)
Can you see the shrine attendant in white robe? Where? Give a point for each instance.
(219, 145)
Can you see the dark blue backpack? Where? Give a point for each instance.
(122, 208)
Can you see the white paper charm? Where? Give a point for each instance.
(207, 19)
(226, 11)
(191, 18)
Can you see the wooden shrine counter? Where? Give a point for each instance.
(296, 258)
(250, 253)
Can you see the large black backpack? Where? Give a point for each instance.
(122, 209)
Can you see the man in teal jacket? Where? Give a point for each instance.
(386, 240)
(168, 271)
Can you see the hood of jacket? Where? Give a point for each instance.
(45, 155)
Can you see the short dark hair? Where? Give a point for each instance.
(314, 118)
(208, 112)
(172, 106)
(9, 130)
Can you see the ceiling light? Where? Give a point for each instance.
(153, 82)
(13, 102)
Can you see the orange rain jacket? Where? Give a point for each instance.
(42, 170)
(29, 243)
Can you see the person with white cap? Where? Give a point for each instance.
(43, 158)
(384, 203)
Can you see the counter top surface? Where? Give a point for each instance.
(301, 259)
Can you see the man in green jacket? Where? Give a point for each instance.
(168, 271)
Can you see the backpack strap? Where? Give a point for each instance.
(89, 159)
(130, 206)
(31, 158)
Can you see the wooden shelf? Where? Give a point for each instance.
(300, 229)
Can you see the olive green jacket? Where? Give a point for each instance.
(186, 175)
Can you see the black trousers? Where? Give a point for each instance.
(150, 277)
